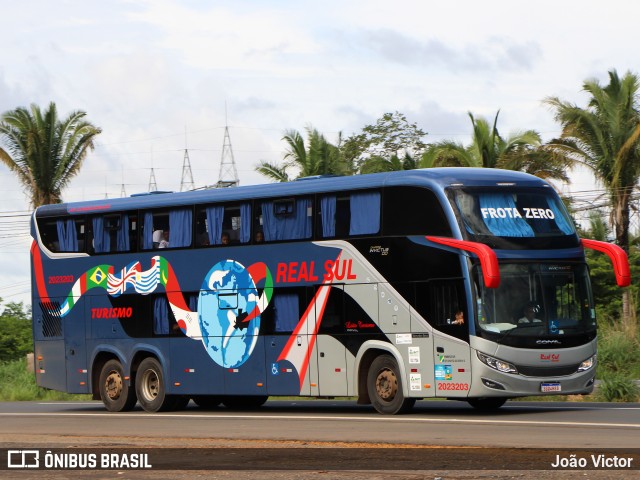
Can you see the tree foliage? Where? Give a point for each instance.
(43, 151)
(521, 151)
(605, 136)
(315, 157)
(16, 338)
(391, 136)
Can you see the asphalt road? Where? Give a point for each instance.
(330, 436)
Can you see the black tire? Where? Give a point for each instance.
(242, 402)
(117, 394)
(486, 403)
(151, 389)
(207, 401)
(384, 385)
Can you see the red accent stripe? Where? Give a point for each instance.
(312, 337)
(258, 272)
(36, 260)
(174, 294)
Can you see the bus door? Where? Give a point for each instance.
(330, 348)
(49, 342)
(75, 349)
(285, 324)
(445, 304)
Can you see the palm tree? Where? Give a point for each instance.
(318, 157)
(43, 151)
(605, 137)
(521, 151)
(377, 164)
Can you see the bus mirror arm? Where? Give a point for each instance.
(618, 258)
(488, 258)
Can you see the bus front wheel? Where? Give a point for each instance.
(384, 386)
(151, 389)
(115, 392)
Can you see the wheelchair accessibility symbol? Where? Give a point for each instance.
(274, 369)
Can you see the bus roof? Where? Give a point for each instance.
(434, 178)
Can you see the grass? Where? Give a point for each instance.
(19, 384)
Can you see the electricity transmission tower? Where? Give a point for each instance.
(123, 192)
(228, 176)
(153, 185)
(186, 182)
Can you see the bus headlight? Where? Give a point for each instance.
(587, 364)
(500, 365)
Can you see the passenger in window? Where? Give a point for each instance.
(459, 318)
(259, 236)
(224, 240)
(164, 243)
(530, 312)
(156, 238)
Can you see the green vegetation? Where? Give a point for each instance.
(19, 384)
(16, 340)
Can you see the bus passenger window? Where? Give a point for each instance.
(173, 229)
(286, 219)
(224, 224)
(286, 312)
(365, 213)
(112, 233)
(413, 211)
(63, 235)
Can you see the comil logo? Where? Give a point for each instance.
(23, 459)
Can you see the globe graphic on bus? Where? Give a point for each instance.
(228, 294)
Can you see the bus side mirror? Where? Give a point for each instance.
(618, 257)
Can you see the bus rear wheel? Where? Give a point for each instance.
(151, 389)
(384, 386)
(115, 393)
(487, 403)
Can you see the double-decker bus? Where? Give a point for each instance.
(465, 284)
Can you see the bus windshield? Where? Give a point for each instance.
(524, 217)
(537, 303)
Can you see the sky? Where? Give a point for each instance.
(162, 76)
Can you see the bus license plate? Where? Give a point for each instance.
(550, 387)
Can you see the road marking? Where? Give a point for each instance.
(326, 417)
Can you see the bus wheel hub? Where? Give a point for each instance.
(113, 385)
(386, 385)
